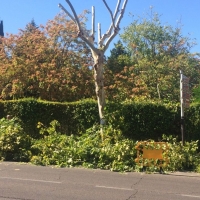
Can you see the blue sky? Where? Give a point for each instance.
(17, 13)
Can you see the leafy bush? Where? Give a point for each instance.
(51, 149)
(14, 143)
(178, 156)
(90, 149)
(110, 150)
(182, 157)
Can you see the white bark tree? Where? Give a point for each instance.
(103, 43)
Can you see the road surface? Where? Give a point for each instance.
(20, 181)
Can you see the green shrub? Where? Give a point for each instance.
(14, 143)
(51, 148)
(145, 120)
(112, 151)
(182, 157)
(179, 157)
(192, 122)
(90, 149)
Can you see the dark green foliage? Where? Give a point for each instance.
(119, 58)
(149, 121)
(144, 120)
(136, 120)
(192, 122)
(73, 117)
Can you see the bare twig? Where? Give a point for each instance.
(81, 32)
(108, 33)
(60, 6)
(93, 21)
(99, 34)
(75, 15)
(113, 22)
(116, 30)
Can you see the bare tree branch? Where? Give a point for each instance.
(108, 33)
(115, 15)
(113, 22)
(117, 9)
(73, 19)
(60, 6)
(121, 14)
(75, 15)
(116, 30)
(99, 34)
(93, 22)
(90, 44)
(81, 32)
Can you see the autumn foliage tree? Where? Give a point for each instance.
(48, 62)
(52, 62)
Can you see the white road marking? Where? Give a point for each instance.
(115, 188)
(192, 196)
(33, 180)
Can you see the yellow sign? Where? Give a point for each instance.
(152, 151)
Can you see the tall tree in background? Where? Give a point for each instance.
(158, 53)
(103, 43)
(31, 27)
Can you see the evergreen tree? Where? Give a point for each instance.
(30, 27)
(119, 58)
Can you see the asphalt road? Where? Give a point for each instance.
(27, 182)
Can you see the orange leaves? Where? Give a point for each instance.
(46, 61)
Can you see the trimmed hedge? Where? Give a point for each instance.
(192, 122)
(73, 117)
(143, 120)
(136, 120)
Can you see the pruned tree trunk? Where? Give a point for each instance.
(99, 83)
(103, 43)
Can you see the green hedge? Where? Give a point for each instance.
(73, 117)
(143, 120)
(136, 120)
(192, 122)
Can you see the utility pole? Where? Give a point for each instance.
(185, 101)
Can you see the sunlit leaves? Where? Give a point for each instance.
(48, 62)
(147, 65)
